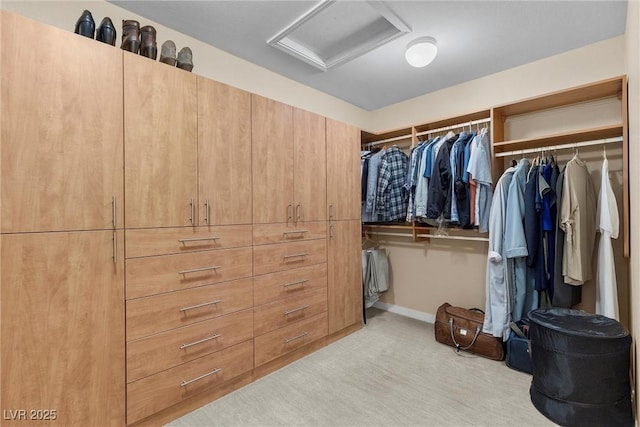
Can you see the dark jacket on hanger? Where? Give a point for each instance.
(439, 200)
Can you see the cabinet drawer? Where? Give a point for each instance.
(288, 232)
(274, 286)
(159, 313)
(290, 310)
(164, 241)
(286, 256)
(156, 353)
(274, 344)
(152, 394)
(154, 275)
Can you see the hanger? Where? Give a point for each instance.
(604, 152)
(369, 242)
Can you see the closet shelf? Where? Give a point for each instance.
(589, 92)
(601, 132)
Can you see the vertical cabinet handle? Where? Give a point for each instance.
(298, 212)
(191, 212)
(331, 231)
(115, 247)
(114, 212)
(330, 212)
(206, 211)
(290, 211)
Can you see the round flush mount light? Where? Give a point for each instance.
(421, 52)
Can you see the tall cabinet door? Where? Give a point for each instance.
(224, 154)
(345, 274)
(343, 171)
(272, 160)
(61, 120)
(63, 344)
(310, 168)
(160, 121)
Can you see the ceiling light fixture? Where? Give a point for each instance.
(421, 52)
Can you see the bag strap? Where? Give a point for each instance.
(477, 309)
(458, 347)
(515, 328)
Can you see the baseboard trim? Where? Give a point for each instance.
(406, 312)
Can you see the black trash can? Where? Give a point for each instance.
(580, 368)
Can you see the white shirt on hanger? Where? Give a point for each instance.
(608, 224)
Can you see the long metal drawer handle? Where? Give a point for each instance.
(286, 313)
(196, 270)
(198, 239)
(212, 337)
(208, 374)
(304, 334)
(301, 254)
(299, 282)
(204, 304)
(286, 233)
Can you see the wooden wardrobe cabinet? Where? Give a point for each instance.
(61, 130)
(63, 347)
(161, 136)
(345, 274)
(343, 171)
(288, 163)
(224, 154)
(309, 165)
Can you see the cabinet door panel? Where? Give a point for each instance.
(63, 326)
(345, 274)
(310, 167)
(160, 120)
(224, 153)
(272, 160)
(61, 129)
(343, 171)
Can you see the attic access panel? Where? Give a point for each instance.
(333, 32)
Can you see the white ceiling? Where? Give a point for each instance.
(475, 39)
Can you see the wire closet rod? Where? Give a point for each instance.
(459, 125)
(561, 146)
(384, 141)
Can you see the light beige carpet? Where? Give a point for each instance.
(390, 373)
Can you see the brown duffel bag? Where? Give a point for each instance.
(462, 328)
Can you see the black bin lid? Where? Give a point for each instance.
(578, 323)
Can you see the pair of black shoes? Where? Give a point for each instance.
(86, 26)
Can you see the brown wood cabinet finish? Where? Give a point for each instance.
(284, 340)
(158, 313)
(343, 171)
(156, 353)
(310, 168)
(288, 232)
(272, 160)
(154, 275)
(161, 131)
(159, 391)
(224, 154)
(293, 309)
(283, 284)
(165, 241)
(61, 127)
(345, 274)
(63, 327)
(286, 256)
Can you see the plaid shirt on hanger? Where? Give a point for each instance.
(392, 197)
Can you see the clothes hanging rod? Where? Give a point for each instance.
(431, 236)
(459, 125)
(561, 146)
(440, 236)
